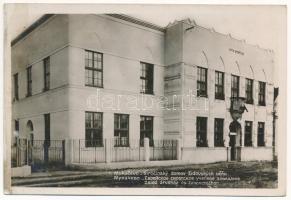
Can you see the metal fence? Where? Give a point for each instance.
(85, 151)
(38, 153)
(163, 150)
(112, 150)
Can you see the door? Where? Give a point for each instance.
(234, 140)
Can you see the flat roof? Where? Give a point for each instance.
(45, 17)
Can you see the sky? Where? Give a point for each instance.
(258, 25)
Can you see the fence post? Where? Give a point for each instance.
(107, 150)
(66, 151)
(146, 149)
(179, 149)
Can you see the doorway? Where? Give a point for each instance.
(234, 140)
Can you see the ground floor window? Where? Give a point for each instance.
(201, 132)
(261, 134)
(121, 130)
(146, 129)
(94, 129)
(218, 132)
(248, 133)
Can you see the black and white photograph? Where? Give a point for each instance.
(117, 98)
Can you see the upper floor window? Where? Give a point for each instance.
(248, 133)
(121, 130)
(262, 91)
(15, 77)
(94, 129)
(147, 78)
(29, 81)
(234, 86)
(146, 128)
(93, 69)
(46, 70)
(201, 82)
(261, 134)
(249, 91)
(201, 132)
(219, 85)
(218, 132)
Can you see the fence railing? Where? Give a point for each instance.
(37, 152)
(111, 150)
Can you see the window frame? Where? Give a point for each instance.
(94, 69)
(97, 131)
(201, 135)
(16, 86)
(248, 137)
(29, 81)
(46, 73)
(219, 95)
(262, 94)
(249, 91)
(261, 135)
(118, 141)
(200, 81)
(147, 76)
(218, 134)
(235, 87)
(145, 132)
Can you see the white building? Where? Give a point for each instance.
(95, 77)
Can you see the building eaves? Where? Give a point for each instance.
(138, 22)
(32, 27)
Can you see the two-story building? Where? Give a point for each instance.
(93, 77)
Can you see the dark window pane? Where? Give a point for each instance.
(248, 133)
(201, 132)
(94, 69)
(147, 78)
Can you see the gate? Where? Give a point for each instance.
(163, 150)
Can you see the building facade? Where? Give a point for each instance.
(95, 77)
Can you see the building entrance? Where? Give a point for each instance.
(235, 140)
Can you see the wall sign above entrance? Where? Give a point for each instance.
(236, 51)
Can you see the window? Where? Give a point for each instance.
(201, 132)
(46, 70)
(146, 78)
(249, 91)
(261, 134)
(47, 132)
(93, 69)
(146, 129)
(234, 86)
(219, 85)
(121, 129)
(218, 132)
(248, 133)
(16, 125)
(94, 129)
(201, 82)
(262, 90)
(29, 81)
(15, 77)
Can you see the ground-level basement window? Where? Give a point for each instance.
(218, 132)
(248, 133)
(261, 134)
(121, 130)
(94, 129)
(201, 132)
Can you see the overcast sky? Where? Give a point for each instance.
(259, 25)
